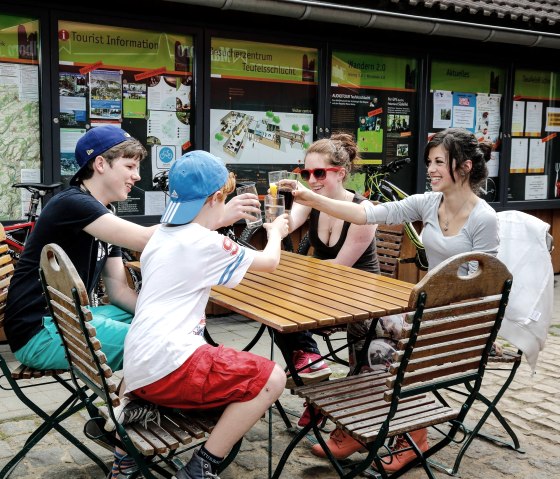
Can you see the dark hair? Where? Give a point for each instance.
(340, 149)
(127, 149)
(462, 145)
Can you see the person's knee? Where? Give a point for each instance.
(276, 382)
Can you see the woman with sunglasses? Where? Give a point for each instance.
(328, 163)
(455, 220)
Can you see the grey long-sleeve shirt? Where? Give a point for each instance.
(479, 233)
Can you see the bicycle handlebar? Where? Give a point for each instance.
(393, 166)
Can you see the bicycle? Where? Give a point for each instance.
(17, 233)
(379, 188)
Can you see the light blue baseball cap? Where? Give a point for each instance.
(192, 178)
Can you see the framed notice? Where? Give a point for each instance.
(140, 80)
(263, 105)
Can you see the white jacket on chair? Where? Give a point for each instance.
(524, 250)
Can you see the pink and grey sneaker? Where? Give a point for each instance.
(309, 373)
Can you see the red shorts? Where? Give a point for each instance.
(212, 377)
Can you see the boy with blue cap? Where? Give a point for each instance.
(167, 360)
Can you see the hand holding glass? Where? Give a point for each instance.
(256, 219)
(273, 207)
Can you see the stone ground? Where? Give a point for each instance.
(531, 405)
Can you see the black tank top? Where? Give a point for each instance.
(367, 262)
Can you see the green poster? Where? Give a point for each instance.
(19, 38)
(373, 71)
(263, 61)
(466, 77)
(105, 46)
(537, 84)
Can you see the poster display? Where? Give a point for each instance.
(373, 97)
(469, 96)
(139, 80)
(535, 166)
(263, 106)
(19, 108)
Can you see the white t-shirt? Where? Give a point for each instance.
(479, 233)
(179, 266)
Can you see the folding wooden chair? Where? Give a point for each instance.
(453, 326)
(20, 378)
(151, 445)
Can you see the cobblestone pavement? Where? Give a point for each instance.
(531, 405)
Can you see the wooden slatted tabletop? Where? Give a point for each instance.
(306, 293)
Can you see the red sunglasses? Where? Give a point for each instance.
(318, 173)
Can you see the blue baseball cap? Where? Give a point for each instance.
(95, 142)
(192, 178)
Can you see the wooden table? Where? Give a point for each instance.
(305, 293)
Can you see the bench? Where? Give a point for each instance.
(452, 328)
(20, 378)
(152, 445)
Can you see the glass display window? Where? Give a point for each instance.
(140, 80)
(263, 106)
(534, 169)
(374, 98)
(20, 148)
(470, 96)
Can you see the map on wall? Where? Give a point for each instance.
(19, 123)
(260, 137)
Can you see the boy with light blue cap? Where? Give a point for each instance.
(167, 360)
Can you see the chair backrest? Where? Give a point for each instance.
(6, 273)
(68, 302)
(388, 241)
(455, 322)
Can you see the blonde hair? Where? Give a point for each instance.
(227, 189)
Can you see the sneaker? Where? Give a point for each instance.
(400, 459)
(305, 418)
(196, 468)
(309, 373)
(340, 444)
(135, 410)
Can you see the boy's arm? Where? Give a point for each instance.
(115, 230)
(119, 292)
(239, 208)
(267, 260)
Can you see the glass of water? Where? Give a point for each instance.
(256, 218)
(273, 207)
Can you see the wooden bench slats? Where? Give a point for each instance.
(458, 322)
(165, 437)
(447, 337)
(172, 428)
(186, 423)
(158, 446)
(430, 350)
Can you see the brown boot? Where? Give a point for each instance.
(340, 444)
(400, 459)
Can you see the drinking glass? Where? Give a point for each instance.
(274, 178)
(285, 187)
(256, 220)
(273, 207)
(282, 183)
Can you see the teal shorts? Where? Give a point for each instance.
(45, 350)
